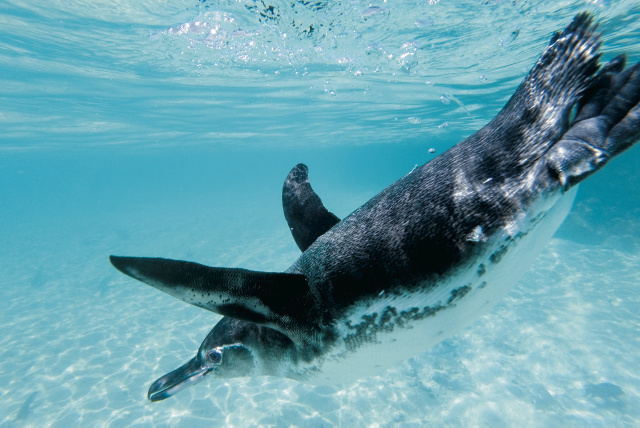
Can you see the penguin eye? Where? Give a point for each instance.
(214, 356)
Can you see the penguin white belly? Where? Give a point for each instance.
(379, 336)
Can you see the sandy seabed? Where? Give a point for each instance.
(80, 345)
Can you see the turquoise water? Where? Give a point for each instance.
(166, 128)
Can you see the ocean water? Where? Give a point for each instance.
(166, 128)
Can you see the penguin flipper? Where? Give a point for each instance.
(305, 214)
(282, 301)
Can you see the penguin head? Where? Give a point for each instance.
(221, 355)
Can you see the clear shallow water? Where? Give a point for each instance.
(167, 128)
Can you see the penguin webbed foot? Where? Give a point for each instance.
(607, 123)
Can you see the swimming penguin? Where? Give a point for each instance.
(427, 255)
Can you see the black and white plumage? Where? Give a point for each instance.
(428, 254)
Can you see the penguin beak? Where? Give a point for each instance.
(179, 379)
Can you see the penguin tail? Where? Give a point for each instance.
(568, 117)
(539, 112)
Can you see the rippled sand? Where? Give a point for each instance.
(81, 344)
